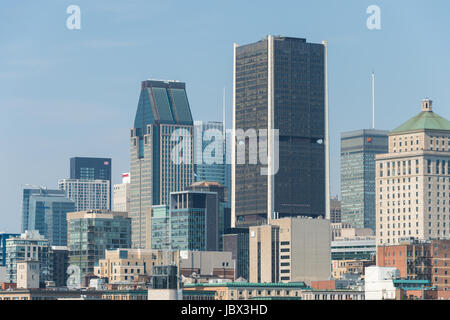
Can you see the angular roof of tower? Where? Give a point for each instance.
(162, 102)
(425, 120)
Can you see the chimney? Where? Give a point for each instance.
(426, 105)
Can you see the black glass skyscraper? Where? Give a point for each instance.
(90, 168)
(279, 83)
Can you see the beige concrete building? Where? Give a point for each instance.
(249, 291)
(130, 265)
(349, 267)
(290, 249)
(345, 231)
(28, 274)
(127, 265)
(413, 180)
(121, 194)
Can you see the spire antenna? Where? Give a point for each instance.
(373, 100)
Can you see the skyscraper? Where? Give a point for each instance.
(161, 150)
(206, 166)
(85, 168)
(279, 84)
(26, 194)
(48, 215)
(87, 194)
(413, 180)
(358, 150)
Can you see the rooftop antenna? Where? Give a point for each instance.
(224, 130)
(223, 111)
(373, 100)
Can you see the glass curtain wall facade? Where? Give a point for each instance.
(194, 221)
(163, 126)
(279, 84)
(48, 215)
(205, 168)
(358, 150)
(26, 194)
(90, 235)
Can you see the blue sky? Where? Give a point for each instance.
(67, 93)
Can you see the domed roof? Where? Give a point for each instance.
(425, 120)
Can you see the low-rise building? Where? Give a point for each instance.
(342, 268)
(354, 249)
(379, 283)
(127, 265)
(45, 294)
(336, 294)
(28, 274)
(419, 260)
(247, 291)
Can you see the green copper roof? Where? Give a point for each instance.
(426, 120)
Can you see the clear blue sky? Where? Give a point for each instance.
(70, 93)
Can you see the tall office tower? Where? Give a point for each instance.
(413, 180)
(224, 210)
(358, 150)
(30, 245)
(87, 194)
(161, 150)
(279, 84)
(122, 194)
(47, 213)
(211, 165)
(92, 232)
(84, 168)
(26, 194)
(209, 155)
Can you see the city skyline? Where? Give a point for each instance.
(73, 108)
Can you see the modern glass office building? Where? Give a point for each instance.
(279, 84)
(92, 232)
(161, 151)
(160, 227)
(194, 220)
(48, 214)
(209, 163)
(358, 150)
(26, 194)
(212, 165)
